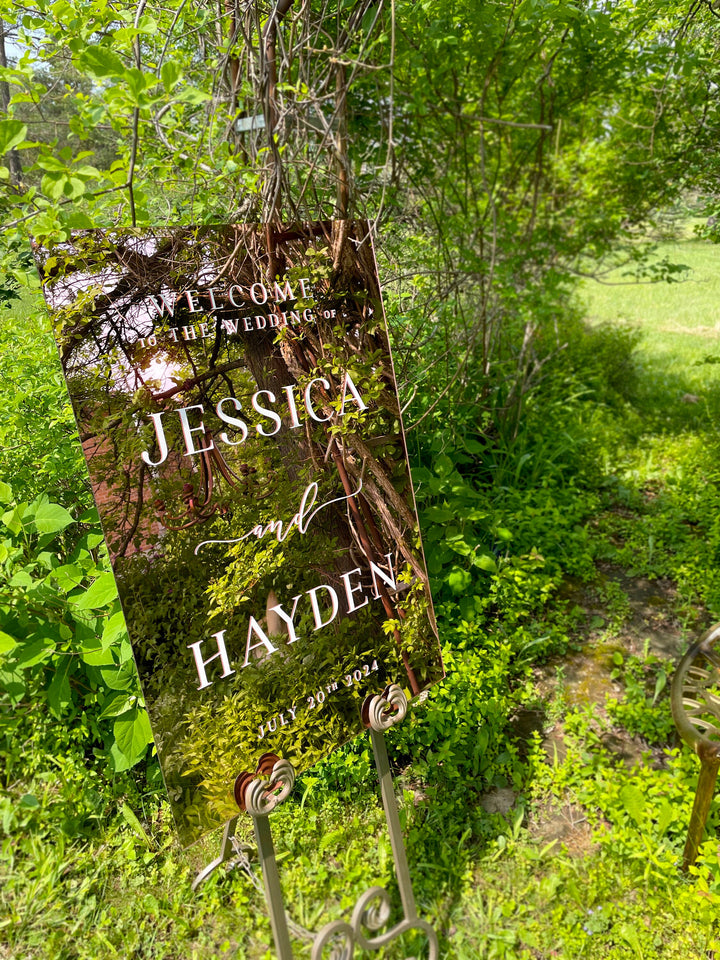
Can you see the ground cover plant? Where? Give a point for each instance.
(543, 182)
(545, 797)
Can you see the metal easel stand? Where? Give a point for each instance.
(260, 795)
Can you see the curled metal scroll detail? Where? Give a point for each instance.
(386, 709)
(341, 939)
(369, 914)
(262, 796)
(338, 937)
(695, 696)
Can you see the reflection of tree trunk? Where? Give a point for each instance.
(139, 497)
(393, 532)
(270, 372)
(390, 610)
(382, 493)
(359, 447)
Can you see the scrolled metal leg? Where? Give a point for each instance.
(701, 808)
(392, 817)
(259, 794)
(273, 891)
(696, 711)
(226, 852)
(373, 908)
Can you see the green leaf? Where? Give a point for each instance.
(132, 821)
(121, 677)
(53, 186)
(52, 518)
(12, 520)
(12, 683)
(97, 656)
(12, 132)
(6, 493)
(170, 74)
(21, 579)
(666, 816)
(36, 651)
(78, 220)
(194, 96)
(147, 24)
(51, 164)
(630, 935)
(102, 592)
(133, 734)
(117, 759)
(486, 562)
(68, 576)
(114, 628)
(59, 693)
(472, 446)
(459, 580)
(439, 514)
(87, 171)
(102, 61)
(633, 800)
(117, 703)
(443, 465)
(660, 685)
(7, 642)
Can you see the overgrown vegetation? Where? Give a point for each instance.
(520, 554)
(563, 440)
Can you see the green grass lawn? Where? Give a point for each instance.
(679, 322)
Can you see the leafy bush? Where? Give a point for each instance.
(63, 636)
(644, 708)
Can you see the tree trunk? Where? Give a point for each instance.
(12, 156)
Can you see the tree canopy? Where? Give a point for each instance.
(500, 149)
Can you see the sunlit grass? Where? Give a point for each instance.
(680, 322)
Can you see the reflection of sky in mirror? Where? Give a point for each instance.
(161, 374)
(61, 293)
(136, 316)
(137, 319)
(136, 313)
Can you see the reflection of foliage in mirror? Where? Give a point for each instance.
(237, 407)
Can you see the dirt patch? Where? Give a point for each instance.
(501, 800)
(640, 615)
(582, 678)
(566, 824)
(636, 619)
(652, 620)
(631, 750)
(700, 331)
